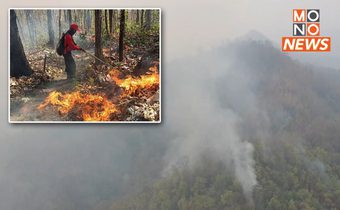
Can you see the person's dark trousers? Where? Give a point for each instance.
(70, 65)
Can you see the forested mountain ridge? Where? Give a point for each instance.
(290, 113)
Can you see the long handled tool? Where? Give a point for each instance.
(95, 57)
(98, 59)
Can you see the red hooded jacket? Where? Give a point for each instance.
(69, 44)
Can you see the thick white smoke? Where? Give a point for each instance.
(206, 121)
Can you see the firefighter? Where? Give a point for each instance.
(69, 45)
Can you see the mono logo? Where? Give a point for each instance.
(306, 33)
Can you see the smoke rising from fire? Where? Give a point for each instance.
(205, 122)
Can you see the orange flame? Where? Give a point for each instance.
(89, 107)
(131, 84)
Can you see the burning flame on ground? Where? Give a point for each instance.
(97, 107)
(131, 84)
(90, 107)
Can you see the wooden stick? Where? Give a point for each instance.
(45, 63)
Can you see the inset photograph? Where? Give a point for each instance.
(85, 65)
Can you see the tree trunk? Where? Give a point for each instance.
(88, 21)
(84, 21)
(137, 17)
(121, 34)
(114, 20)
(106, 25)
(50, 29)
(18, 62)
(111, 20)
(75, 15)
(142, 19)
(148, 19)
(98, 34)
(31, 27)
(20, 28)
(59, 35)
(65, 15)
(69, 16)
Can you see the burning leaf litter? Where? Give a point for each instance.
(133, 85)
(86, 106)
(133, 103)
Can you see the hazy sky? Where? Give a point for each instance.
(192, 25)
(34, 154)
